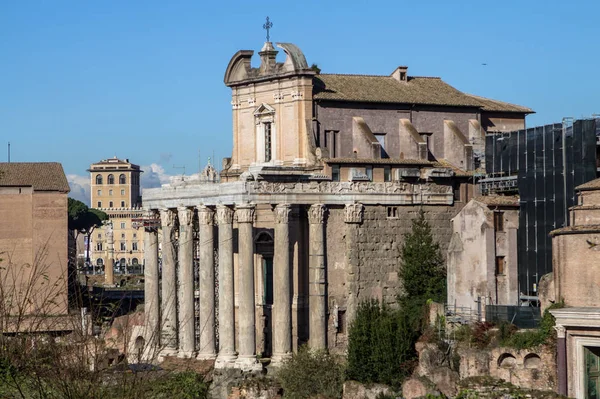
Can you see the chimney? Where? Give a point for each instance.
(401, 74)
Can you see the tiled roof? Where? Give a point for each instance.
(487, 104)
(589, 186)
(42, 176)
(386, 89)
(499, 200)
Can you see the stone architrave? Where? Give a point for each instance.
(151, 289)
(226, 356)
(169, 284)
(354, 213)
(186, 282)
(282, 287)
(246, 320)
(207, 349)
(317, 279)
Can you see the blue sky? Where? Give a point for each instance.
(82, 80)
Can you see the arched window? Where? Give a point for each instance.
(99, 262)
(134, 261)
(110, 179)
(123, 262)
(122, 179)
(98, 179)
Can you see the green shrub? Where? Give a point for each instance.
(309, 373)
(381, 345)
(184, 385)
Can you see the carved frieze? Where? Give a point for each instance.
(349, 187)
(205, 215)
(185, 215)
(316, 214)
(167, 217)
(245, 213)
(224, 215)
(354, 213)
(282, 213)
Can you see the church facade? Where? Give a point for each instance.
(308, 215)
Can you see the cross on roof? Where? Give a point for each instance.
(268, 25)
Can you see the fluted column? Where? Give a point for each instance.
(186, 282)
(151, 287)
(282, 307)
(317, 278)
(226, 356)
(247, 316)
(169, 284)
(206, 284)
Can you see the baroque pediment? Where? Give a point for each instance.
(264, 109)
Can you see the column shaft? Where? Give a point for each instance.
(186, 282)
(247, 316)
(226, 356)
(207, 284)
(317, 278)
(282, 307)
(109, 267)
(151, 287)
(169, 284)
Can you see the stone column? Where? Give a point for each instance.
(186, 282)
(353, 217)
(247, 315)
(282, 284)
(109, 267)
(207, 284)
(151, 288)
(317, 279)
(226, 356)
(169, 284)
(561, 359)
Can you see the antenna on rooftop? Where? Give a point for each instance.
(9, 152)
(180, 167)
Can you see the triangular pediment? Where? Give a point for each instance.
(264, 109)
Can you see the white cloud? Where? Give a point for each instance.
(80, 188)
(154, 176)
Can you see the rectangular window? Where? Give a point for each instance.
(110, 204)
(99, 246)
(122, 204)
(134, 235)
(123, 246)
(426, 137)
(267, 127)
(134, 246)
(369, 172)
(122, 235)
(335, 173)
(122, 191)
(99, 192)
(456, 191)
(387, 173)
(341, 323)
(392, 212)
(381, 139)
(99, 235)
(498, 221)
(330, 141)
(109, 192)
(123, 225)
(99, 204)
(500, 265)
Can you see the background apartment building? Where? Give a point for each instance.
(115, 189)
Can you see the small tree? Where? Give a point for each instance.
(422, 271)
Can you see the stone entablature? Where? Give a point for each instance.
(335, 193)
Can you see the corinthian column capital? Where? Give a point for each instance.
(245, 213)
(354, 213)
(205, 215)
(185, 215)
(282, 213)
(224, 215)
(316, 214)
(167, 217)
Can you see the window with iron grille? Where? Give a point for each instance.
(267, 127)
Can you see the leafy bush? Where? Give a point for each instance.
(184, 385)
(532, 338)
(309, 373)
(381, 345)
